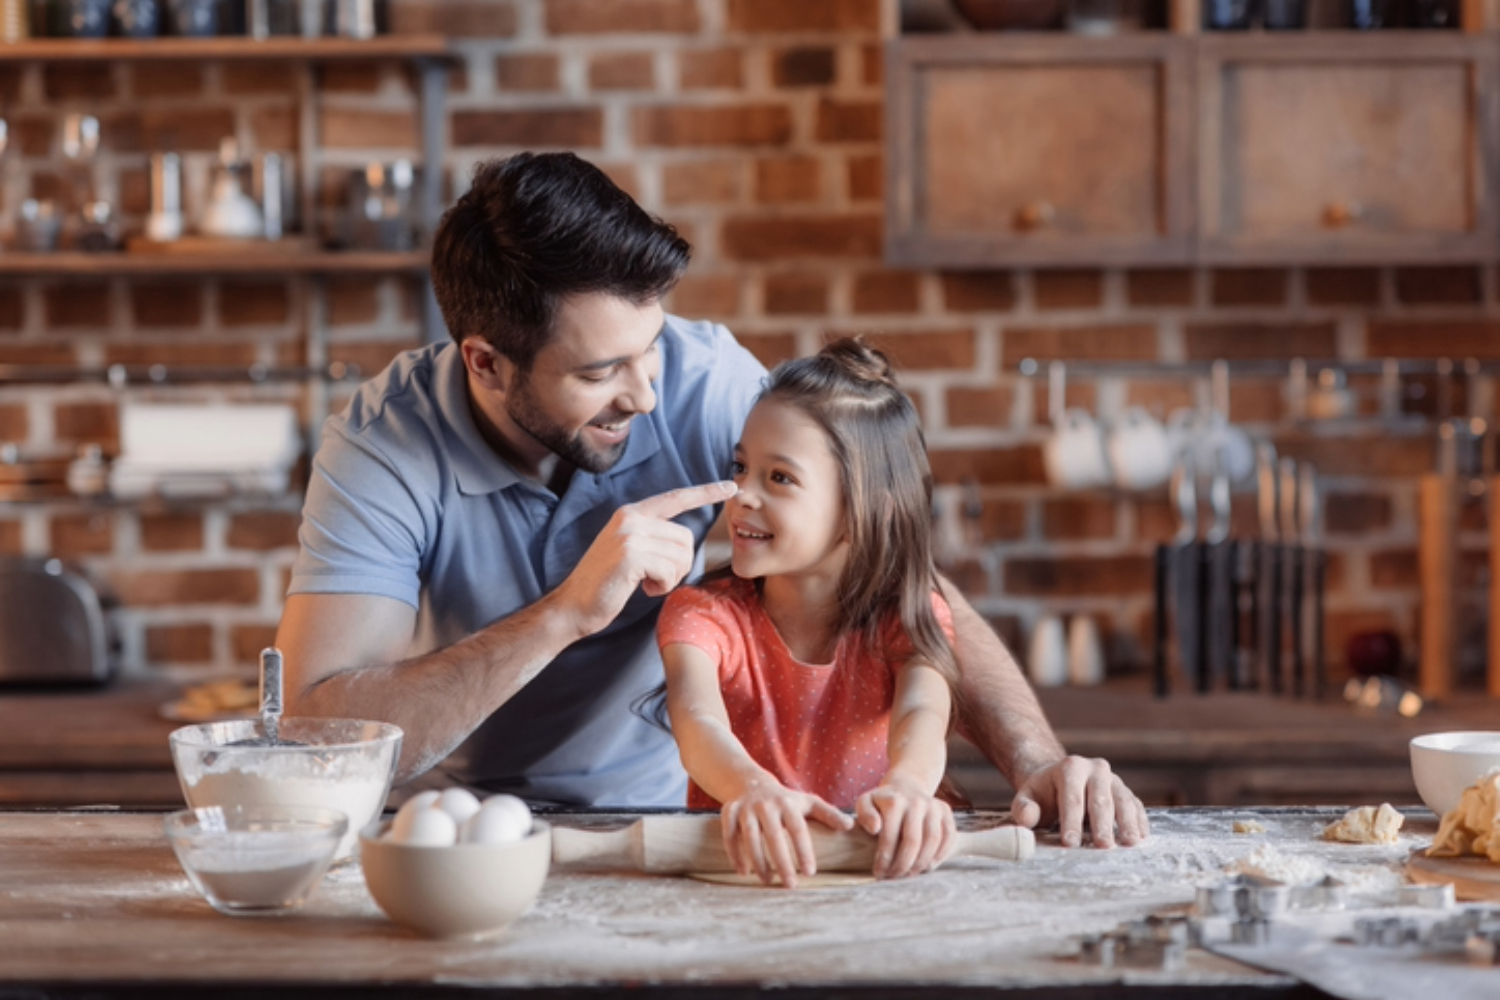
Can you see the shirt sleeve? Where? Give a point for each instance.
(363, 530)
(691, 617)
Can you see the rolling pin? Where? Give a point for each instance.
(677, 845)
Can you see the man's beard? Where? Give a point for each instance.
(523, 408)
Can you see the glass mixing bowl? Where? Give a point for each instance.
(255, 859)
(342, 764)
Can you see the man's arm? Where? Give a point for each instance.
(345, 652)
(1000, 713)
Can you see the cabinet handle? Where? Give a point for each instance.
(1337, 214)
(1035, 215)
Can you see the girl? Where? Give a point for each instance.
(816, 677)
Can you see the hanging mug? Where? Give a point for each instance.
(1140, 452)
(1074, 455)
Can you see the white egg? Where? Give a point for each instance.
(401, 825)
(429, 828)
(459, 803)
(498, 822)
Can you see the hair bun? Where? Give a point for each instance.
(860, 360)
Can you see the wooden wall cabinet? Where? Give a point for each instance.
(1326, 146)
(1362, 148)
(1037, 150)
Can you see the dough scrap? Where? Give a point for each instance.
(1367, 825)
(1249, 826)
(822, 880)
(1473, 826)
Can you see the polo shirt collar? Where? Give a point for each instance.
(476, 466)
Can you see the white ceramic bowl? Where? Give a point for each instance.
(255, 859)
(462, 891)
(343, 764)
(1444, 764)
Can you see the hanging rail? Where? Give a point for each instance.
(121, 376)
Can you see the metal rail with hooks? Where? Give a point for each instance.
(123, 376)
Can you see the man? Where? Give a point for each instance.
(491, 524)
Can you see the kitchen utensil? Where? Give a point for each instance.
(1437, 515)
(272, 195)
(1315, 565)
(345, 764)
(255, 860)
(1268, 571)
(459, 891)
(1293, 566)
(312, 17)
(1187, 577)
(270, 704)
(1444, 764)
(164, 224)
(1085, 652)
(1047, 659)
(231, 212)
(670, 845)
(1219, 625)
(1161, 587)
(52, 627)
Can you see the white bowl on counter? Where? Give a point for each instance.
(255, 860)
(463, 890)
(342, 764)
(1444, 764)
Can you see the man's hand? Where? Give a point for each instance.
(914, 831)
(639, 547)
(1075, 789)
(765, 831)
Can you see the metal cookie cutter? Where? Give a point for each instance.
(1432, 897)
(1152, 943)
(1386, 932)
(1454, 933)
(1244, 896)
(1328, 893)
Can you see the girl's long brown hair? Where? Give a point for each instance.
(849, 389)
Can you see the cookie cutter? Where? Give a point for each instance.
(1328, 893)
(1386, 932)
(1430, 897)
(1157, 942)
(1455, 933)
(1483, 948)
(1251, 931)
(1244, 897)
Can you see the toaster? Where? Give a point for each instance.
(51, 625)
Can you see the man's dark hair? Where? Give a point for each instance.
(534, 229)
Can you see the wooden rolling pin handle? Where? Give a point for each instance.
(1003, 843)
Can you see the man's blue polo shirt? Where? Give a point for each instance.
(407, 501)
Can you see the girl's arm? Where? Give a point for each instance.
(764, 822)
(915, 830)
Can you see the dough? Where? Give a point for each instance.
(1367, 825)
(822, 880)
(1473, 826)
(1249, 826)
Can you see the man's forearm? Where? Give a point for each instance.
(440, 698)
(998, 711)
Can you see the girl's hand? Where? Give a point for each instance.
(914, 831)
(765, 830)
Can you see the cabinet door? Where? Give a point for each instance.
(1357, 147)
(1037, 150)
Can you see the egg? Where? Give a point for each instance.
(428, 828)
(502, 818)
(459, 803)
(401, 825)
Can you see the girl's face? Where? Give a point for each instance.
(788, 517)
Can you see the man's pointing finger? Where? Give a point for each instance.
(668, 505)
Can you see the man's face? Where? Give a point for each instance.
(587, 384)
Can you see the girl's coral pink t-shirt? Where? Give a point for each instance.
(819, 728)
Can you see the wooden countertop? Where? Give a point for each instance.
(109, 746)
(96, 904)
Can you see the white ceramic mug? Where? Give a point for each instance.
(1074, 455)
(1140, 452)
(1215, 444)
(1047, 660)
(1085, 652)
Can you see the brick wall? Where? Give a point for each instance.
(755, 127)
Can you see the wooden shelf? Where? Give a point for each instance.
(281, 48)
(248, 262)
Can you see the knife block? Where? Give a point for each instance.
(1437, 510)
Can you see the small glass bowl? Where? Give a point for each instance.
(249, 860)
